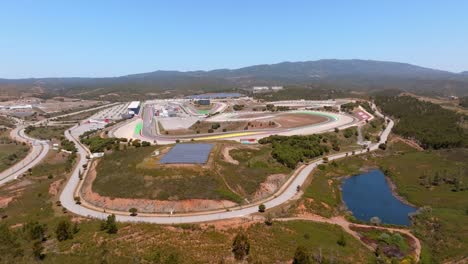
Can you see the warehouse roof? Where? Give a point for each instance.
(134, 104)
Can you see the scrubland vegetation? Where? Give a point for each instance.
(429, 124)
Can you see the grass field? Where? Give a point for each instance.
(46, 132)
(133, 173)
(55, 164)
(6, 121)
(10, 151)
(146, 243)
(255, 165)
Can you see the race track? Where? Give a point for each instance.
(285, 193)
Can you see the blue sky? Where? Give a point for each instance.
(111, 38)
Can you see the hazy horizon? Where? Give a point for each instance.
(106, 39)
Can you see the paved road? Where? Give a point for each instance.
(38, 151)
(287, 192)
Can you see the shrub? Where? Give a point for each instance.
(269, 220)
(261, 208)
(240, 246)
(133, 211)
(110, 225)
(301, 256)
(341, 241)
(63, 230)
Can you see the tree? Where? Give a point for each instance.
(133, 211)
(110, 225)
(375, 220)
(76, 228)
(241, 246)
(63, 230)
(269, 220)
(341, 241)
(37, 250)
(35, 231)
(10, 247)
(382, 146)
(261, 208)
(301, 256)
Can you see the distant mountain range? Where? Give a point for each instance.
(339, 74)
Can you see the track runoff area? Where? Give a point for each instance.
(182, 120)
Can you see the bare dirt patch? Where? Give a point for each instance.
(298, 120)
(228, 157)
(4, 201)
(55, 187)
(270, 186)
(408, 142)
(229, 224)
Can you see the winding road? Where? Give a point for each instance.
(38, 151)
(287, 192)
(39, 148)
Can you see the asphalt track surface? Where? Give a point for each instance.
(149, 133)
(286, 192)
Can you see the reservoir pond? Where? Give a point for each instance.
(368, 195)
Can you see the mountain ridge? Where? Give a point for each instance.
(342, 74)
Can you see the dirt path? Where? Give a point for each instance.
(343, 223)
(408, 142)
(227, 157)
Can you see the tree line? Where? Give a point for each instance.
(294, 149)
(429, 124)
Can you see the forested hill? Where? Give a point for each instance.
(336, 74)
(429, 124)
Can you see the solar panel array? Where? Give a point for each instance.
(187, 153)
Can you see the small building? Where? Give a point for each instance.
(260, 89)
(97, 155)
(276, 88)
(134, 107)
(204, 102)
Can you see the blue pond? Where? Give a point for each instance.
(368, 195)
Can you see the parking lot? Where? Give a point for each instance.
(112, 113)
